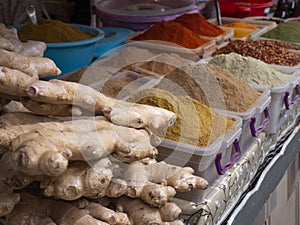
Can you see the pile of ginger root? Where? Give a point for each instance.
(70, 155)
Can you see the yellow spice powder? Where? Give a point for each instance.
(196, 123)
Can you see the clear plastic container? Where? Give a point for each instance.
(288, 69)
(255, 120)
(263, 26)
(292, 103)
(281, 103)
(291, 100)
(210, 161)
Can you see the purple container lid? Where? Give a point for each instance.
(143, 8)
(137, 23)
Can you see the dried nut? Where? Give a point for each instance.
(268, 51)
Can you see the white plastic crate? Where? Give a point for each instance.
(254, 121)
(296, 96)
(292, 104)
(291, 100)
(281, 103)
(209, 162)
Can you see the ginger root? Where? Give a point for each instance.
(22, 118)
(14, 82)
(142, 214)
(12, 36)
(38, 67)
(11, 176)
(3, 102)
(33, 48)
(117, 111)
(7, 134)
(6, 44)
(157, 183)
(47, 152)
(10, 41)
(47, 109)
(102, 213)
(80, 179)
(69, 93)
(8, 199)
(37, 157)
(34, 210)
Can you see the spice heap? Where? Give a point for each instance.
(251, 70)
(196, 123)
(52, 31)
(269, 51)
(197, 23)
(211, 86)
(122, 84)
(162, 64)
(122, 60)
(126, 56)
(240, 25)
(287, 31)
(112, 87)
(102, 70)
(172, 32)
(240, 29)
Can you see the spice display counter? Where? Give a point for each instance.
(243, 191)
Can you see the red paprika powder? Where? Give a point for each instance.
(197, 23)
(172, 32)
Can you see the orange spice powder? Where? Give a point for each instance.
(197, 23)
(172, 32)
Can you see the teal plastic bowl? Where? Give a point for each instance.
(69, 56)
(114, 37)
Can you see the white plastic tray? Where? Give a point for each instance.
(262, 26)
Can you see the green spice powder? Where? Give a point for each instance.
(250, 70)
(288, 31)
